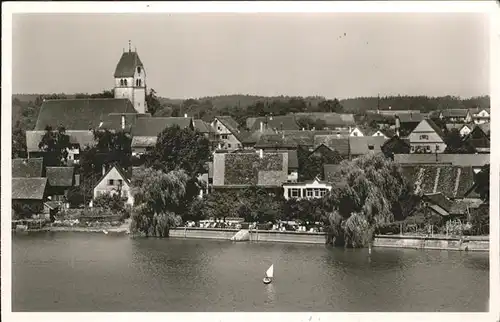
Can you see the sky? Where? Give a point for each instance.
(192, 55)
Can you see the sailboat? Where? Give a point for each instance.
(269, 275)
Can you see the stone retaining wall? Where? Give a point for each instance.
(465, 243)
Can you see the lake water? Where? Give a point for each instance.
(97, 272)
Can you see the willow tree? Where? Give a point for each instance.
(366, 196)
(156, 198)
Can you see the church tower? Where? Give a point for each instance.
(130, 80)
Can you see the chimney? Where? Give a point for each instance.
(123, 122)
(77, 180)
(261, 126)
(103, 169)
(261, 153)
(390, 107)
(185, 115)
(303, 129)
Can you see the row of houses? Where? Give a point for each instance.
(264, 152)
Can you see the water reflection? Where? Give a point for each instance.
(271, 293)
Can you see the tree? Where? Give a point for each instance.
(456, 144)
(18, 141)
(156, 197)
(370, 188)
(112, 202)
(482, 183)
(55, 144)
(256, 204)
(113, 147)
(103, 94)
(153, 102)
(177, 149)
(330, 106)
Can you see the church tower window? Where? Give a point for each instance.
(139, 70)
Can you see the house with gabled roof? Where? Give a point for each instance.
(145, 131)
(479, 138)
(481, 115)
(427, 137)
(115, 181)
(228, 134)
(28, 195)
(60, 180)
(455, 115)
(273, 122)
(463, 129)
(334, 142)
(365, 145)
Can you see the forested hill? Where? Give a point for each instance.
(351, 105)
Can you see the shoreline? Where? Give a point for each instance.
(453, 243)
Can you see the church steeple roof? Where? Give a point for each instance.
(128, 63)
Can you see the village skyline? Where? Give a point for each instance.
(211, 52)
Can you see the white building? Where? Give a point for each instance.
(309, 190)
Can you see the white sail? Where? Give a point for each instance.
(270, 271)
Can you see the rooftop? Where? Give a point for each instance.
(28, 188)
(127, 64)
(27, 168)
(80, 114)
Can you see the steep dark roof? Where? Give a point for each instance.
(152, 126)
(113, 121)
(333, 142)
(293, 161)
(365, 144)
(27, 168)
(60, 176)
(80, 114)
(203, 126)
(280, 122)
(82, 138)
(228, 122)
(127, 64)
(410, 117)
(28, 188)
(452, 181)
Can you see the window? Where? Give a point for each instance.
(309, 192)
(323, 192)
(120, 182)
(295, 192)
(428, 148)
(219, 128)
(111, 182)
(125, 82)
(138, 70)
(229, 145)
(121, 82)
(424, 137)
(370, 147)
(355, 133)
(224, 136)
(437, 147)
(316, 192)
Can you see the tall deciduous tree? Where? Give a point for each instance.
(330, 106)
(456, 144)
(55, 144)
(181, 149)
(156, 198)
